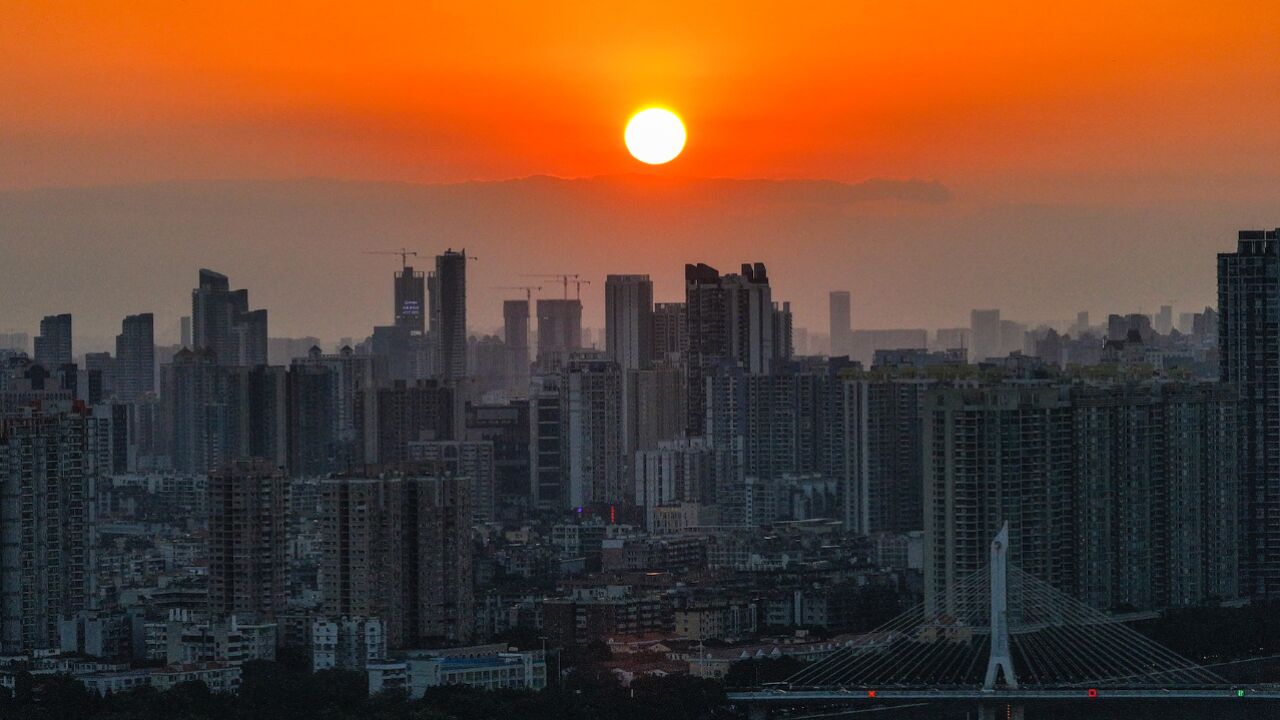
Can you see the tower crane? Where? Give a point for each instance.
(565, 279)
(404, 254)
(528, 290)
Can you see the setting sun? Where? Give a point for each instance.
(655, 136)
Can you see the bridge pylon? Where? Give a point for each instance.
(1000, 658)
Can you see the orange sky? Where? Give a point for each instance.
(1012, 100)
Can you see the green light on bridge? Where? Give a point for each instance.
(1239, 693)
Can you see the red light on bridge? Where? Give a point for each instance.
(871, 693)
(1093, 692)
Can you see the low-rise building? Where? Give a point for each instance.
(489, 667)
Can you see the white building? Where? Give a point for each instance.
(489, 667)
(349, 643)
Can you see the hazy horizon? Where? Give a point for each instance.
(297, 247)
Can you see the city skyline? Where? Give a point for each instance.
(939, 178)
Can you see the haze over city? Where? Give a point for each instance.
(1039, 159)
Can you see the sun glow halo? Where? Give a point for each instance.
(655, 136)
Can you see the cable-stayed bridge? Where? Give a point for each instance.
(1001, 637)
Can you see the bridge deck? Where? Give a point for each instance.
(800, 697)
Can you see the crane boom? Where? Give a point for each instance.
(404, 254)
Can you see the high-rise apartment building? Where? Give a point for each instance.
(628, 320)
(315, 445)
(216, 414)
(195, 411)
(994, 455)
(1163, 321)
(223, 323)
(1249, 359)
(984, 333)
(473, 460)
(448, 286)
(398, 548)
(256, 400)
(687, 470)
(884, 422)
(787, 423)
(656, 407)
(669, 338)
(361, 575)
(135, 361)
(46, 491)
(840, 316)
(515, 336)
(783, 333)
(248, 541)
(53, 344)
(728, 319)
(506, 427)
(325, 393)
(1123, 494)
(394, 415)
(1156, 494)
(439, 601)
(559, 328)
(14, 341)
(547, 444)
(595, 462)
(410, 299)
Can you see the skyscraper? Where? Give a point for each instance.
(135, 366)
(223, 323)
(559, 327)
(1163, 322)
(515, 336)
(470, 459)
(628, 320)
(1121, 493)
(994, 455)
(45, 495)
(546, 443)
(394, 415)
(326, 393)
(448, 286)
(783, 342)
(886, 476)
(984, 333)
(506, 426)
(841, 319)
(314, 435)
(1249, 359)
(248, 541)
(656, 406)
(410, 300)
(591, 397)
(362, 525)
(668, 331)
(53, 344)
(195, 411)
(727, 319)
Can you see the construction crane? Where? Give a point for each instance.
(404, 254)
(463, 252)
(565, 279)
(528, 290)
